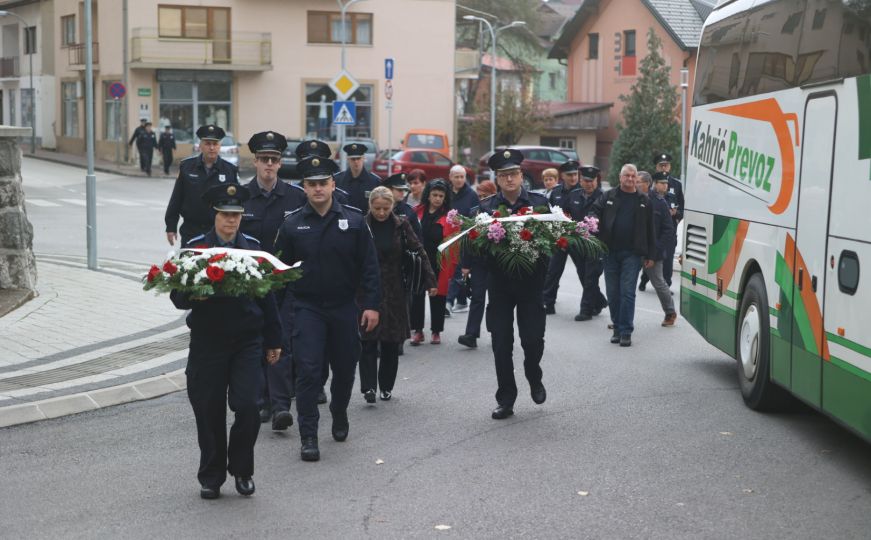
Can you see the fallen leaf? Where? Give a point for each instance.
(442, 527)
(747, 490)
(379, 462)
(727, 433)
(583, 493)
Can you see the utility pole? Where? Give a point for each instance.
(90, 178)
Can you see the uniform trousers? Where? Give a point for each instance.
(372, 371)
(221, 373)
(525, 295)
(477, 302)
(555, 272)
(167, 161)
(592, 299)
(145, 158)
(324, 332)
(276, 380)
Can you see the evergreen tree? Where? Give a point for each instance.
(650, 122)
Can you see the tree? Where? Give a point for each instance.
(650, 121)
(515, 116)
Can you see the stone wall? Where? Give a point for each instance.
(17, 264)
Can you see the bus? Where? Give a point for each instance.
(778, 202)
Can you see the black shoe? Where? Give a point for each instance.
(549, 310)
(583, 317)
(369, 395)
(340, 425)
(322, 397)
(468, 341)
(642, 286)
(615, 337)
(309, 450)
(281, 420)
(626, 340)
(265, 415)
(401, 349)
(386, 395)
(448, 314)
(539, 394)
(245, 485)
(207, 492)
(502, 412)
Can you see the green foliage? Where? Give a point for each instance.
(650, 117)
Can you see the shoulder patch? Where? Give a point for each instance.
(196, 238)
(354, 208)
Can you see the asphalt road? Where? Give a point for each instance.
(647, 442)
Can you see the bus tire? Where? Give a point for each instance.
(753, 350)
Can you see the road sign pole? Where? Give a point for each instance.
(117, 110)
(90, 178)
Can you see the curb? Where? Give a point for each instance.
(150, 388)
(97, 167)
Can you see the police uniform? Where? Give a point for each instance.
(559, 196)
(321, 150)
(357, 188)
(508, 292)
(675, 199)
(338, 260)
(590, 269)
(192, 182)
(477, 291)
(228, 335)
(560, 192)
(265, 211)
(166, 146)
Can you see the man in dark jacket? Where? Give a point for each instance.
(578, 205)
(663, 227)
(166, 144)
(626, 228)
(146, 142)
(139, 131)
(464, 200)
(559, 196)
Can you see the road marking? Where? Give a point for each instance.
(42, 202)
(121, 202)
(78, 202)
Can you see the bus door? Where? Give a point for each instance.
(807, 254)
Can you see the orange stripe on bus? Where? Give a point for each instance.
(795, 262)
(727, 271)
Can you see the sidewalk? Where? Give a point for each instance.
(90, 339)
(100, 165)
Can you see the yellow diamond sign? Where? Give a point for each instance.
(344, 85)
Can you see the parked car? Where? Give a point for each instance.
(288, 160)
(229, 149)
(379, 166)
(535, 160)
(434, 164)
(427, 139)
(368, 157)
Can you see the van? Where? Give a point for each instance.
(428, 139)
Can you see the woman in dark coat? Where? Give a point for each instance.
(393, 235)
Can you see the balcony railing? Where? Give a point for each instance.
(244, 51)
(9, 67)
(76, 55)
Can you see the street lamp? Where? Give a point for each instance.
(343, 7)
(493, 34)
(32, 89)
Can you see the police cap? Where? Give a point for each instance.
(660, 177)
(267, 141)
(589, 172)
(569, 166)
(397, 181)
(354, 149)
(227, 197)
(210, 132)
(312, 147)
(505, 159)
(662, 158)
(317, 168)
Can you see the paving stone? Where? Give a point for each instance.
(158, 386)
(20, 414)
(115, 395)
(66, 405)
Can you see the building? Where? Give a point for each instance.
(251, 65)
(605, 40)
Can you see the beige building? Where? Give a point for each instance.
(252, 65)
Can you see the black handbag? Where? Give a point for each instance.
(412, 267)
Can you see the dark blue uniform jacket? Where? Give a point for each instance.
(559, 194)
(186, 200)
(403, 209)
(264, 214)
(358, 189)
(663, 226)
(578, 204)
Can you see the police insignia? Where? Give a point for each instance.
(211, 128)
(343, 224)
(222, 178)
(316, 162)
(507, 154)
(231, 190)
(314, 144)
(269, 136)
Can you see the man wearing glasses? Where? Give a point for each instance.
(270, 201)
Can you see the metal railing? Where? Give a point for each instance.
(76, 54)
(242, 50)
(9, 66)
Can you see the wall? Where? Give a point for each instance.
(17, 264)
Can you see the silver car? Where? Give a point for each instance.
(368, 157)
(229, 149)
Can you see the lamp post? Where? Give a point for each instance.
(343, 7)
(32, 89)
(684, 83)
(493, 34)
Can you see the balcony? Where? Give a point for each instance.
(242, 51)
(76, 55)
(9, 67)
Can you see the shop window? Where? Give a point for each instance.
(319, 112)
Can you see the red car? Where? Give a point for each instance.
(535, 160)
(434, 164)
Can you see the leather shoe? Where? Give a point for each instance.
(549, 310)
(386, 395)
(309, 450)
(615, 337)
(539, 394)
(583, 317)
(468, 341)
(207, 492)
(340, 426)
(281, 420)
(322, 397)
(369, 395)
(502, 412)
(245, 485)
(626, 340)
(264, 416)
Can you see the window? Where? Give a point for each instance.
(30, 40)
(68, 30)
(26, 107)
(441, 160)
(189, 101)
(319, 112)
(557, 157)
(326, 27)
(70, 109)
(628, 63)
(111, 114)
(593, 52)
(552, 80)
(192, 22)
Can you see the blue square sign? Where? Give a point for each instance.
(344, 113)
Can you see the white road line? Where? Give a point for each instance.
(121, 202)
(78, 202)
(42, 202)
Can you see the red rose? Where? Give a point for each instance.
(201, 246)
(217, 257)
(215, 273)
(497, 213)
(525, 234)
(153, 272)
(522, 211)
(277, 271)
(474, 234)
(260, 260)
(562, 242)
(170, 268)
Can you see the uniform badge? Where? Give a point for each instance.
(343, 224)
(231, 190)
(222, 178)
(671, 190)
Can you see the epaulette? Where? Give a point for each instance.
(249, 237)
(353, 208)
(297, 186)
(196, 238)
(342, 191)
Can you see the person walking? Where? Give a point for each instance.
(416, 182)
(559, 196)
(356, 180)
(674, 197)
(166, 144)
(626, 228)
(465, 201)
(589, 267)
(663, 231)
(393, 236)
(138, 132)
(146, 142)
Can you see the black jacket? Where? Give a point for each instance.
(186, 200)
(644, 242)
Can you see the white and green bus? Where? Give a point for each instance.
(778, 201)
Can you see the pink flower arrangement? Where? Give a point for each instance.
(496, 232)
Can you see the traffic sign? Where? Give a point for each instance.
(344, 85)
(344, 113)
(117, 90)
(388, 68)
(388, 89)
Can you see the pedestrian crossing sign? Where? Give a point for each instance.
(344, 113)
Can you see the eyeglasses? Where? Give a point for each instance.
(269, 159)
(509, 174)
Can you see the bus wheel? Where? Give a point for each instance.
(753, 350)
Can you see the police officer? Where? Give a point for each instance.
(166, 144)
(676, 203)
(146, 142)
(579, 205)
(338, 260)
(270, 201)
(320, 149)
(228, 339)
(196, 174)
(509, 291)
(559, 197)
(138, 132)
(356, 180)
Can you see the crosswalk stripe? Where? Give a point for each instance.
(41, 202)
(121, 202)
